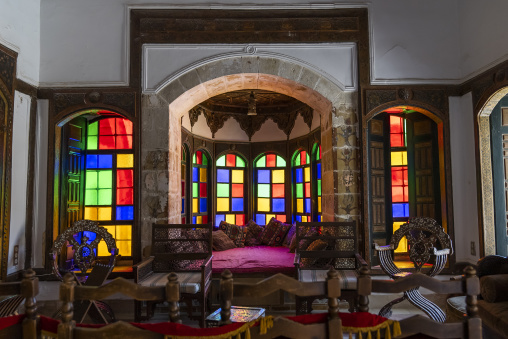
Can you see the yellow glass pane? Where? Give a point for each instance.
(124, 248)
(403, 242)
(124, 160)
(223, 204)
(399, 158)
(237, 176)
(104, 213)
(91, 213)
(269, 216)
(195, 206)
(263, 204)
(230, 218)
(102, 249)
(307, 174)
(299, 205)
(278, 176)
(199, 219)
(123, 232)
(111, 230)
(202, 174)
(319, 204)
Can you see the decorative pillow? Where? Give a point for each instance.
(304, 243)
(234, 232)
(221, 242)
(316, 245)
(274, 233)
(253, 231)
(289, 236)
(493, 287)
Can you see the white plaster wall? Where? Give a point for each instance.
(316, 121)
(300, 128)
(19, 176)
(40, 183)
(231, 131)
(465, 204)
(269, 131)
(20, 31)
(483, 35)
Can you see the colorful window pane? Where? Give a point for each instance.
(109, 179)
(200, 188)
(269, 188)
(231, 203)
(184, 183)
(302, 210)
(316, 181)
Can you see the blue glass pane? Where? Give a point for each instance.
(400, 210)
(91, 161)
(319, 218)
(91, 236)
(202, 205)
(263, 177)
(261, 219)
(124, 212)
(298, 218)
(105, 161)
(193, 220)
(195, 174)
(277, 205)
(222, 175)
(318, 170)
(299, 175)
(183, 205)
(307, 205)
(237, 204)
(219, 218)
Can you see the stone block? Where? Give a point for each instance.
(234, 82)
(215, 87)
(269, 65)
(172, 91)
(155, 160)
(327, 88)
(250, 80)
(289, 70)
(190, 79)
(348, 181)
(250, 64)
(309, 78)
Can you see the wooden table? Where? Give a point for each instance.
(238, 314)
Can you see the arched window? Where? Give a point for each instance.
(269, 192)
(302, 206)
(231, 201)
(109, 179)
(184, 164)
(316, 180)
(200, 187)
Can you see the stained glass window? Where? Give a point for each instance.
(200, 189)
(231, 200)
(301, 187)
(109, 180)
(184, 181)
(316, 161)
(269, 190)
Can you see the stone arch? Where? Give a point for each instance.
(486, 177)
(338, 110)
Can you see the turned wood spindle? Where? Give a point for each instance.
(173, 296)
(67, 297)
(226, 296)
(364, 286)
(333, 291)
(471, 300)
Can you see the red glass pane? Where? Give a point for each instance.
(237, 190)
(278, 190)
(231, 160)
(399, 176)
(394, 110)
(204, 219)
(199, 158)
(202, 190)
(319, 151)
(107, 126)
(398, 194)
(125, 196)
(183, 221)
(307, 189)
(396, 125)
(303, 158)
(240, 219)
(124, 178)
(106, 142)
(183, 188)
(397, 140)
(270, 160)
(281, 217)
(123, 126)
(124, 142)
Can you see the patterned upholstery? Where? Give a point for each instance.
(348, 278)
(190, 282)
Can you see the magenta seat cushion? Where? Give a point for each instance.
(254, 259)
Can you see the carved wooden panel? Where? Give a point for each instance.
(424, 180)
(375, 98)
(377, 175)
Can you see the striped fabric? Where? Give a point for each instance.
(348, 278)
(190, 282)
(9, 305)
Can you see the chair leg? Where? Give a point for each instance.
(203, 312)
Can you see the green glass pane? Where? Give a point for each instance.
(319, 187)
(297, 160)
(280, 161)
(223, 190)
(299, 190)
(263, 190)
(205, 159)
(221, 161)
(195, 191)
(93, 128)
(194, 158)
(105, 196)
(261, 161)
(308, 159)
(91, 197)
(240, 162)
(317, 154)
(91, 142)
(105, 179)
(91, 179)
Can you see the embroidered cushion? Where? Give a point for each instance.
(316, 245)
(289, 236)
(304, 243)
(274, 233)
(234, 232)
(253, 231)
(221, 242)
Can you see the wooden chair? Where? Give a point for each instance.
(28, 288)
(426, 239)
(70, 291)
(185, 249)
(470, 327)
(337, 245)
(93, 273)
(282, 326)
